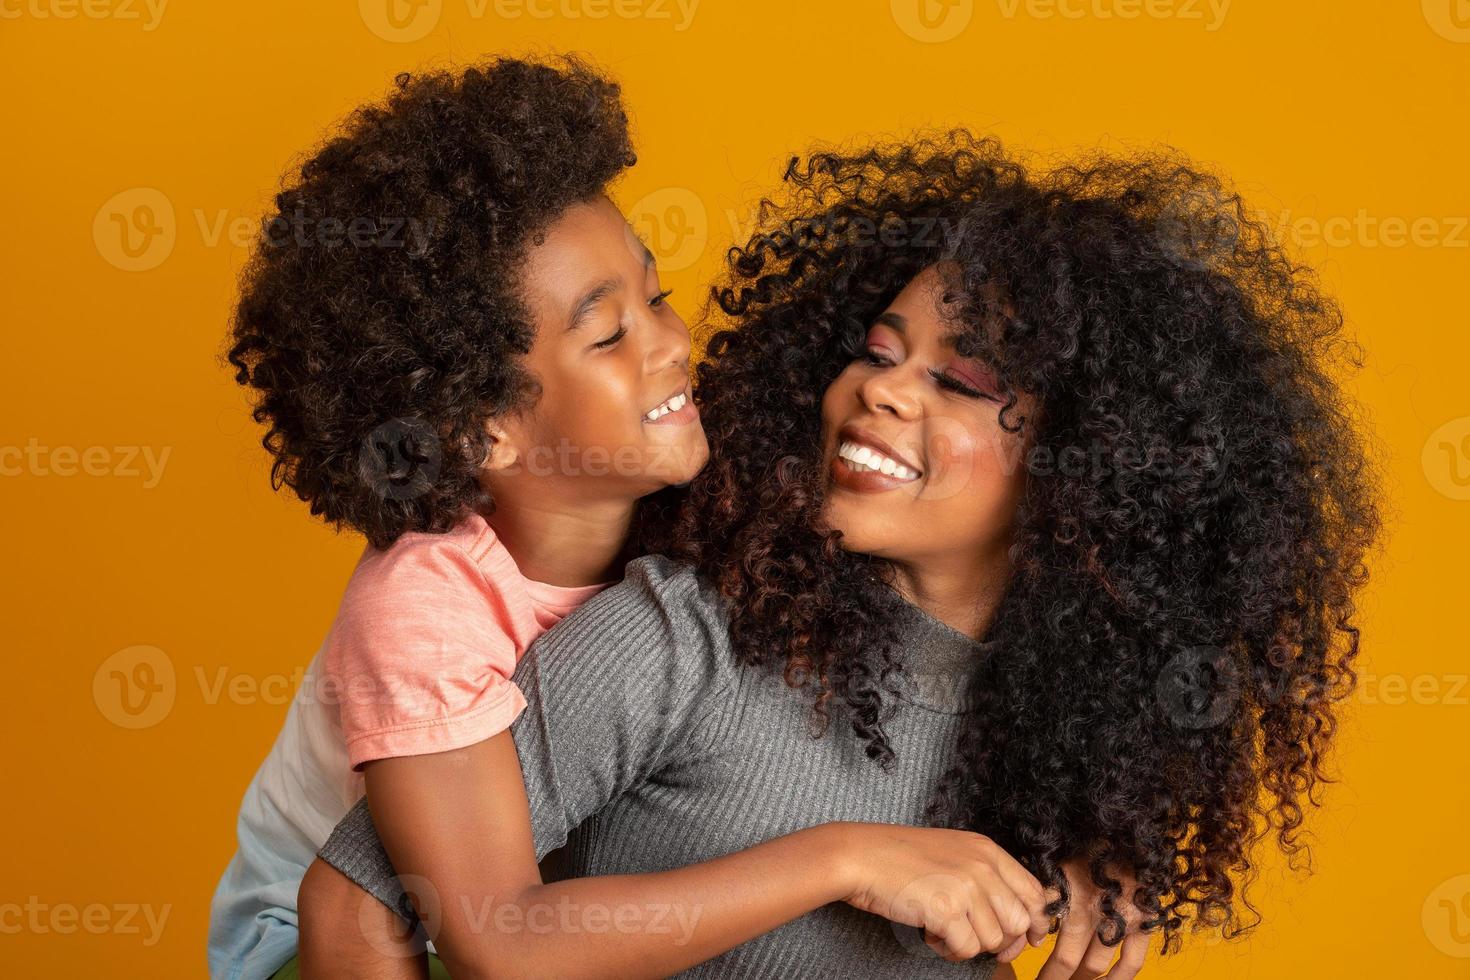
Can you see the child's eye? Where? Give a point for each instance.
(658, 300)
(604, 344)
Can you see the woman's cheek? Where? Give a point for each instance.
(952, 450)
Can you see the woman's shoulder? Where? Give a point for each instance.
(674, 587)
(661, 618)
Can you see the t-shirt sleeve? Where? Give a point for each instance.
(420, 657)
(631, 682)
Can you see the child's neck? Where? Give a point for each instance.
(569, 546)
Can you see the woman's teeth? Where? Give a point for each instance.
(672, 405)
(861, 457)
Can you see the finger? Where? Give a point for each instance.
(1032, 896)
(1011, 951)
(987, 929)
(1095, 961)
(1130, 960)
(956, 939)
(1066, 955)
(1010, 914)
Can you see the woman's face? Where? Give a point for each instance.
(610, 352)
(919, 469)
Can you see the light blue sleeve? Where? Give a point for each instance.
(298, 794)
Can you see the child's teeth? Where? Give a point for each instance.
(672, 405)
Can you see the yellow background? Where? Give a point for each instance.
(1344, 121)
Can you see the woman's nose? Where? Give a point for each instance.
(889, 391)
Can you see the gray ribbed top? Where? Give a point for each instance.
(646, 747)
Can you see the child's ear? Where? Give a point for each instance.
(504, 446)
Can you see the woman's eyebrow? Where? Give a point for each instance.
(590, 299)
(891, 319)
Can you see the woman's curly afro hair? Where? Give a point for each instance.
(1179, 623)
(380, 322)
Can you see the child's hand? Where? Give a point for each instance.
(962, 888)
(1078, 950)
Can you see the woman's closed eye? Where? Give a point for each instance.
(950, 383)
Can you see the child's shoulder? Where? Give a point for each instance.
(468, 557)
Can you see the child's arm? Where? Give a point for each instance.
(460, 820)
(633, 680)
(981, 898)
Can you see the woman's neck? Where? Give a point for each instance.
(569, 546)
(963, 595)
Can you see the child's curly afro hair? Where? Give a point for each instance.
(380, 322)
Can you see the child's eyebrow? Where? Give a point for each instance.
(648, 259)
(590, 299)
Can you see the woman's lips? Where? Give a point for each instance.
(864, 480)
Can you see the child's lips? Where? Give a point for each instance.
(686, 413)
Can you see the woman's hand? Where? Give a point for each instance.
(1079, 954)
(965, 892)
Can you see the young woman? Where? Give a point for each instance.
(1043, 492)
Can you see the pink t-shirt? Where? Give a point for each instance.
(427, 637)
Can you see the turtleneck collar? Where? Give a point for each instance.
(938, 661)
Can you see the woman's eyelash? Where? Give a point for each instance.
(622, 332)
(876, 359)
(955, 385)
(658, 300)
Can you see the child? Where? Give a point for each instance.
(461, 350)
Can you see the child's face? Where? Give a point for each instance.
(609, 350)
